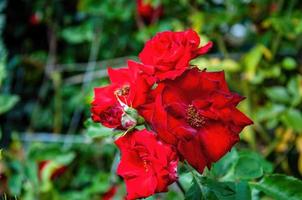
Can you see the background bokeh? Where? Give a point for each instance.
(54, 52)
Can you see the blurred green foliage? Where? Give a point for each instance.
(53, 53)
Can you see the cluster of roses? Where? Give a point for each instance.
(191, 114)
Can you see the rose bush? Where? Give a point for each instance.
(193, 113)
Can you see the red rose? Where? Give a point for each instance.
(127, 88)
(35, 19)
(197, 113)
(168, 54)
(147, 165)
(147, 12)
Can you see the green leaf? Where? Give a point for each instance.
(225, 163)
(16, 179)
(251, 165)
(269, 111)
(2, 70)
(266, 165)
(213, 189)
(278, 94)
(194, 192)
(15, 184)
(97, 130)
(247, 167)
(280, 187)
(78, 34)
(289, 63)
(243, 191)
(292, 118)
(222, 190)
(244, 165)
(185, 180)
(65, 159)
(293, 87)
(7, 102)
(31, 172)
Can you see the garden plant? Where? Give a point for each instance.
(151, 99)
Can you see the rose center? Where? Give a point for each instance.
(123, 91)
(194, 118)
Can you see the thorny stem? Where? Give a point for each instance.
(247, 92)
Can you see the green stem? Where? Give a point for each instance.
(221, 45)
(180, 187)
(246, 90)
(263, 134)
(275, 44)
(195, 177)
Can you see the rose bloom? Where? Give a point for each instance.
(147, 12)
(127, 87)
(197, 114)
(168, 54)
(147, 165)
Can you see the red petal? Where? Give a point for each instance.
(217, 140)
(140, 187)
(204, 49)
(119, 76)
(217, 77)
(192, 152)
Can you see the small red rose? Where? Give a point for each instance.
(35, 19)
(147, 11)
(168, 54)
(197, 114)
(127, 89)
(147, 165)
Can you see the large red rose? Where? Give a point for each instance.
(127, 87)
(197, 113)
(147, 165)
(168, 54)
